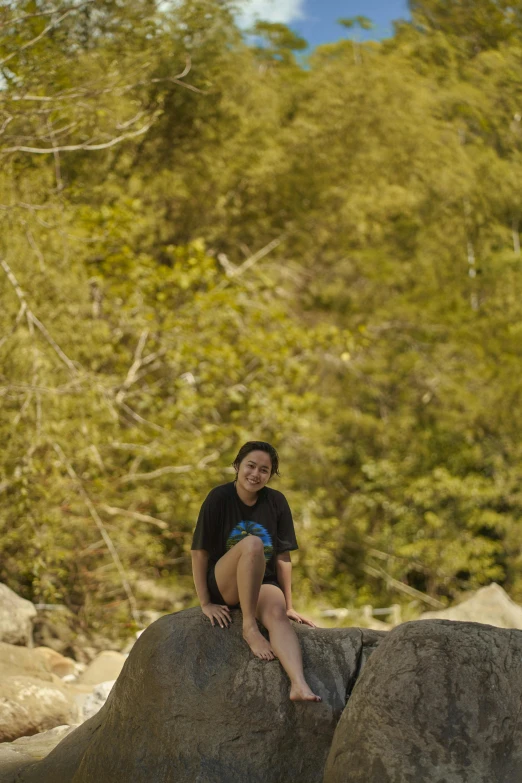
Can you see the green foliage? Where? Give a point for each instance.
(357, 21)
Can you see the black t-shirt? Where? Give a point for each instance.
(224, 520)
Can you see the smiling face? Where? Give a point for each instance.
(254, 471)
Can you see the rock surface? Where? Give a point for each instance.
(32, 698)
(438, 702)
(16, 615)
(95, 700)
(39, 745)
(106, 666)
(193, 704)
(29, 706)
(20, 660)
(15, 755)
(490, 605)
(56, 663)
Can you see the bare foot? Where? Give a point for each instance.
(303, 693)
(257, 643)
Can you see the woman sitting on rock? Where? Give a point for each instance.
(240, 555)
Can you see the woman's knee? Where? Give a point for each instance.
(253, 545)
(274, 613)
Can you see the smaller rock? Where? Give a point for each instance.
(106, 666)
(56, 663)
(16, 615)
(29, 706)
(26, 750)
(39, 745)
(20, 660)
(95, 700)
(490, 605)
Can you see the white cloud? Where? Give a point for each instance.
(270, 11)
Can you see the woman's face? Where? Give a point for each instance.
(254, 471)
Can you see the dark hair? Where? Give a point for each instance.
(258, 445)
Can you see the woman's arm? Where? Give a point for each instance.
(284, 577)
(199, 572)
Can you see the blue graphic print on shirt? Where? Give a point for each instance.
(251, 529)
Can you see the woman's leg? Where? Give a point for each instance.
(271, 610)
(239, 575)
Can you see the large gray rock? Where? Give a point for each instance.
(16, 615)
(438, 702)
(193, 704)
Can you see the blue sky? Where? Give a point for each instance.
(316, 20)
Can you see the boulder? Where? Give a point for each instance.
(106, 666)
(16, 615)
(490, 605)
(438, 702)
(96, 699)
(32, 697)
(38, 746)
(56, 663)
(193, 704)
(25, 750)
(20, 660)
(29, 706)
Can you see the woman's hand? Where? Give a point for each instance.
(219, 613)
(292, 615)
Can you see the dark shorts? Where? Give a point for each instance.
(213, 589)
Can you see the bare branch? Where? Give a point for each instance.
(379, 572)
(257, 257)
(209, 458)
(125, 512)
(140, 419)
(134, 368)
(24, 17)
(178, 81)
(65, 359)
(128, 123)
(104, 534)
(155, 473)
(75, 147)
(228, 266)
(186, 70)
(6, 122)
(91, 91)
(18, 318)
(32, 319)
(49, 27)
(36, 249)
(234, 271)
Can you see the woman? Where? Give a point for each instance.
(240, 555)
